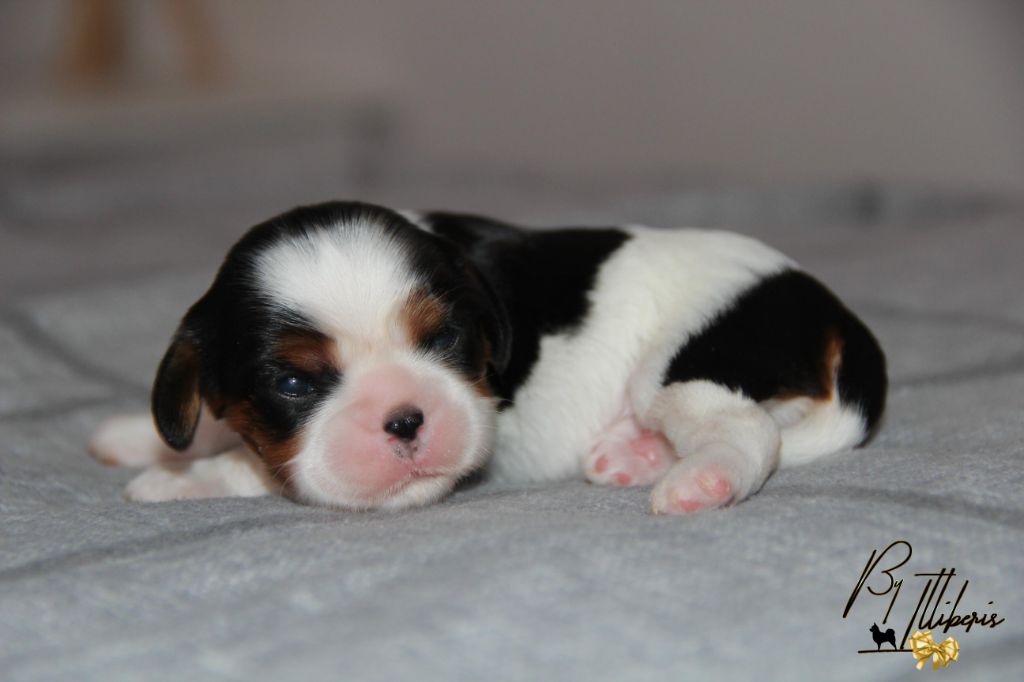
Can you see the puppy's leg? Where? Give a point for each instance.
(132, 441)
(625, 454)
(728, 444)
(236, 473)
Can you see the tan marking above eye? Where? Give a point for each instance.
(422, 316)
(309, 352)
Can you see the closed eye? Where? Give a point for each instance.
(444, 340)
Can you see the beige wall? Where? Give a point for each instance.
(766, 90)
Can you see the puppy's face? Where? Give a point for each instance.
(350, 350)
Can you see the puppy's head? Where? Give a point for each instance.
(351, 350)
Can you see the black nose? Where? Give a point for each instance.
(404, 422)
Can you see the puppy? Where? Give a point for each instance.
(353, 356)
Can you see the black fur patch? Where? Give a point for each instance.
(773, 341)
(543, 278)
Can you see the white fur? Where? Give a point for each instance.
(828, 427)
(352, 280)
(128, 440)
(657, 290)
(236, 473)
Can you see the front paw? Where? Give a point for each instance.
(128, 441)
(236, 473)
(162, 483)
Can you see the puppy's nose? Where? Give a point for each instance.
(404, 422)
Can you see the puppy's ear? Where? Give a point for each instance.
(497, 325)
(493, 316)
(176, 398)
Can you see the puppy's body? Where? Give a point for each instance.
(696, 360)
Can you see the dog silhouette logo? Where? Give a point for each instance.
(883, 637)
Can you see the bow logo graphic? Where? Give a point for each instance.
(924, 647)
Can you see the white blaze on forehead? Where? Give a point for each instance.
(349, 279)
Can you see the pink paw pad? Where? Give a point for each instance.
(624, 461)
(692, 489)
(652, 447)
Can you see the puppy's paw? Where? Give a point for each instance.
(127, 440)
(162, 483)
(695, 483)
(636, 459)
(236, 473)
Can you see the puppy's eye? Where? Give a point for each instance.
(294, 386)
(444, 340)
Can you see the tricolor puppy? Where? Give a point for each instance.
(357, 357)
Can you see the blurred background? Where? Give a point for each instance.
(138, 136)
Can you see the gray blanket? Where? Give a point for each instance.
(565, 581)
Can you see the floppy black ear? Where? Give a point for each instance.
(497, 325)
(176, 399)
(492, 314)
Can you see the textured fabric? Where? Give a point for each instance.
(564, 581)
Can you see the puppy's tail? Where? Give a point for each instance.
(826, 426)
(814, 427)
